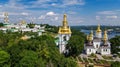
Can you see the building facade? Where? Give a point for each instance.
(97, 44)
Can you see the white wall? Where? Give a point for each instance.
(90, 51)
(99, 35)
(105, 51)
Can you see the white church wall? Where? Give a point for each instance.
(90, 51)
(105, 51)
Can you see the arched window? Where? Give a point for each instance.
(64, 38)
(97, 46)
(89, 50)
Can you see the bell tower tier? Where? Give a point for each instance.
(64, 35)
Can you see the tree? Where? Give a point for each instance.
(38, 51)
(1, 24)
(31, 25)
(75, 45)
(29, 59)
(14, 51)
(115, 64)
(115, 44)
(4, 57)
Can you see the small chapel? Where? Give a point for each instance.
(97, 43)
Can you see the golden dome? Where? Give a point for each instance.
(98, 29)
(90, 36)
(105, 36)
(23, 22)
(91, 33)
(64, 29)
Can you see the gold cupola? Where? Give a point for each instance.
(105, 38)
(98, 29)
(90, 36)
(64, 29)
(22, 22)
(91, 33)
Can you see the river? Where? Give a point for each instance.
(110, 34)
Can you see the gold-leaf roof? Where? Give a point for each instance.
(98, 29)
(64, 29)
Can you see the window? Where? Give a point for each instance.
(64, 38)
(103, 49)
(89, 50)
(97, 46)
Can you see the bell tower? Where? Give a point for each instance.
(64, 35)
(6, 20)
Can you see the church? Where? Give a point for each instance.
(97, 43)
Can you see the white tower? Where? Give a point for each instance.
(6, 20)
(98, 32)
(64, 35)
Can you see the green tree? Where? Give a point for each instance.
(4, 57)
(115, 44)
(29, 58)
(31, 25)
(75, 45)
(115, 64)
(38, 51)
(1, 24)
(14, 51)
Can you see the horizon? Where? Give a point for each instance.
(79, 12)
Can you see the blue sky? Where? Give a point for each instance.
(79, 12)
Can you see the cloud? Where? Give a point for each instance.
(56, 18)
(111, 17)
(107, 12)
(14, 4)
(97, 17)
(1, 16)
(49, 16)
(72, 12)
(73, 2)
(41, 17)
(55, 3)
(24, 13)
(16, 13)
(50, 13)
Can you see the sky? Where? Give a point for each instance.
(79, 12)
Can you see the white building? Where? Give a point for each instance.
(21, 27)
(64, 35)
(97, 44)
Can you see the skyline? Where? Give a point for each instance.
(79, 12)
